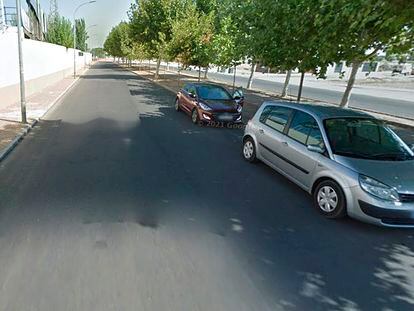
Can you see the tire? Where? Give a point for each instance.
(329, 199)
(194, 116)
(177, 105)
(249, 150)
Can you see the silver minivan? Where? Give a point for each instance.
(350, 162)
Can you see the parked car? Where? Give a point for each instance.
(207, 102)
(351, 163)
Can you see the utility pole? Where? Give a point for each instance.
(53, 9)
(21, 67)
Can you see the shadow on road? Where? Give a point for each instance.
(155, 170)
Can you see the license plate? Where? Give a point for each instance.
(226, 117)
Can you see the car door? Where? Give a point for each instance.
(299, 162)
(190, 98)
(273, 121)
(185, 98)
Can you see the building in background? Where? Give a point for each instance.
(34, 19)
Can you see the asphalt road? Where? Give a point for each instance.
(117, 202)
(399, 108)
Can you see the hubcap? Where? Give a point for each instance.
(327, 199)
(176, 105)
(194, 116)
(248, 149)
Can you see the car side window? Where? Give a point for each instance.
(192, 90)
(186, 88)
(276, 117)
(305, 129)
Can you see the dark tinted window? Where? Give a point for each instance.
(305, 130)
(275, 117)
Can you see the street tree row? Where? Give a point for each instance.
(304, 35)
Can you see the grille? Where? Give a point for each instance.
(406, 197)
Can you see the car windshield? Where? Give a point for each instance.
(212, 92)
(365, 139)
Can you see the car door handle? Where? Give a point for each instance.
(261, 131)
(285, 143)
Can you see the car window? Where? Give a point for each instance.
(212, 92)
(275, 117)
(192, 90)
(365, 138)
(305, 129)
(315, 137)
(186, 87)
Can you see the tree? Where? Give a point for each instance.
(98, 52)
(59, 31)
(295, 42)
(355, 31)
(192, 47)
(151, 25)
(81, 35)
(112, 44)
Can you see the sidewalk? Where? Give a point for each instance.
(254, 99)
(11, 130)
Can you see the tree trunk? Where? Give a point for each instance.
(199, 73)
(302, 77)
(345, 99)
(286, 85)
(250, 82)
(157, 72)
(206, 73)
(179, 72)
(234, 77)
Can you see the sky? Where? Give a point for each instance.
(104, 13)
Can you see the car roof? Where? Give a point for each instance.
(200, 84)
(322, 111)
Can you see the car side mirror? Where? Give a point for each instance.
(317, 149)
(192, 95)
(238, 96)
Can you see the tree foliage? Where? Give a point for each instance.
(192, 37)
(307, 35)
(59, 31)
(81, 35)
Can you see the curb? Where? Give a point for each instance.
(394, 120)
(9, 148)
(5, 152)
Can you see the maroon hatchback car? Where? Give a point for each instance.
(207, 102)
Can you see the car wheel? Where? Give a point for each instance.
(249, 150)
(177, 105)
(329, 199)
(194, 116)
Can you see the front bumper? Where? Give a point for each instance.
(384, 213)
(392, 217)
(227, 117)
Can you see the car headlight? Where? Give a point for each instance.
(378, 189)
(204, 106)
(239, 108)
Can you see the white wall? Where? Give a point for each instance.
(44, 64)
